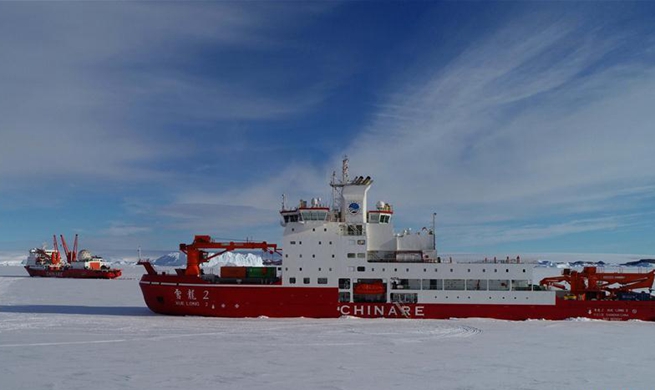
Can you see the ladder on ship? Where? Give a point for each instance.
(401, 309)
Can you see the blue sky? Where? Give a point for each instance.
(528, 127)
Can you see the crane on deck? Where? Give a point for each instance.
(591, 284)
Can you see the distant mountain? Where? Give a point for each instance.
(587, 264)
(640, 263)
(173, 259)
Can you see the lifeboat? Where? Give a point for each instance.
(376, 288)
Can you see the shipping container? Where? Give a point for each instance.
(233, 272)
(261, 272)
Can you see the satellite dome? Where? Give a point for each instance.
(84, 255)
(380, 205)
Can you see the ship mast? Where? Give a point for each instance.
(337, 188)
(434, 233)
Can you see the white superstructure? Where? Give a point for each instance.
(356, 249)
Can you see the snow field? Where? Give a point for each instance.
(79, 334)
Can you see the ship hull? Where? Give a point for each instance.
(74, 273)
(174, 295)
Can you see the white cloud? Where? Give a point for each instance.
(119, 229)
(537, 121)
(90, 89)
(511, 126)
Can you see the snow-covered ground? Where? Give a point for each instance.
(80, 334)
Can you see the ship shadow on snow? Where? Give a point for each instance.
(83, 310)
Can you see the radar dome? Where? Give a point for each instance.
(84, 255)
(380, 205)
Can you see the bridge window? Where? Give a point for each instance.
(476, 284)
(498, 285)
(521, 285)
(432, 284)
(385, 218)
(291, 218)
(454, 284)
(406, 284)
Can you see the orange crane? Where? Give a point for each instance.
(592, 284)
(56, 256)
(196, 254)
(70, 256)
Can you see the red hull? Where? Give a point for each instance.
(175, 295)
(74, 273)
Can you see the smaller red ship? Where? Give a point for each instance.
(48, 263)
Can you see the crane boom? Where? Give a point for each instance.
(74, 254)
(196, 254)
(589, 281)
(65, 245)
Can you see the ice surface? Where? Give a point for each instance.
(97, 334)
